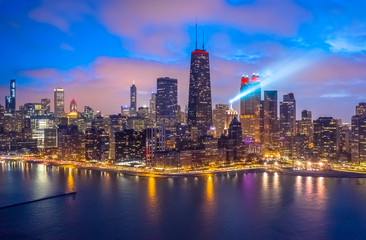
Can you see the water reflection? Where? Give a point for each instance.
(152, 200)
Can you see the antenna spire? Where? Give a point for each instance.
(196, 33)
(203, 37)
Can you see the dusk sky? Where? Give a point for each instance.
(96, 49)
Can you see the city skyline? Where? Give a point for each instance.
(328, 51)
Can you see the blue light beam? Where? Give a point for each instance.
(283, 70)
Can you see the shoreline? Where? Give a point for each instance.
(338, 173)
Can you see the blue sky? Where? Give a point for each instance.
(96, 49)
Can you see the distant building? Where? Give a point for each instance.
(358, 134)
(326, 139)
(288, 115)
(133, 100)
(219, 117)
(97, 144)
(167, 103)
(46, 105)
(10, 101)
(155, 142)
(59, 102)
(152, 108)
(270, 138)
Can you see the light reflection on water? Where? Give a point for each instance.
(226, 206)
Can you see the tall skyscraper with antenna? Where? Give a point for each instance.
(133, 100)
(199, 100)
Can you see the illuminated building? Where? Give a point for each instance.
(130, 146)
(345, 142)
(155, 142)
(71, 143)
(133, 100)
(31, 109)
(235, 135)
(59, 103)
(97, 144)
(270, 121)
(50, 138)
(199, 100)
(125, 110)
(326, 139)
(288, 115)
(181, 116)
(10, 101)
(167, 103)
(152, 108)
(14, 122)
(358, 134)
(73, 106)
(143, 112)
(250, 108)
(46, 106)
(136, 123)
(88, 113)
(2, 117)
(219, 117)
(117, 124)
(230, 114)
(306, 125)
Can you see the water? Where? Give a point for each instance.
(238, 206)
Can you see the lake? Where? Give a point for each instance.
(110, 205)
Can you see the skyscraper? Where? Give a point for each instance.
(59, 101)
(250, 108)
(358, 134)
(152, 108)
(326, 138)
(133, 100)
(10, 103)
(199, 100)
(270, 120)
(167, 102)
(46, 105)
(73, 106)
(219, 114)
(288, 115)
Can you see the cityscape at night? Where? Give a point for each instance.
(222, 119)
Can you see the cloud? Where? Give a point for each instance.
(60, 13)
(67, 47)
(340, 94)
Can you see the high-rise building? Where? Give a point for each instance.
(358, 134)
(10, 103)
(152, 109)
(73, 106)
(326, 139)
(130, 146)
(306, 125)
(46, 105)
(97, 144)
(235, 134)
(199, 100)
(219, 116)
(288, 115)
(88, 113)
(250, 106)
(133, 100)
(270, 120)
(59, 102)
(167, 103)
(155, 142)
